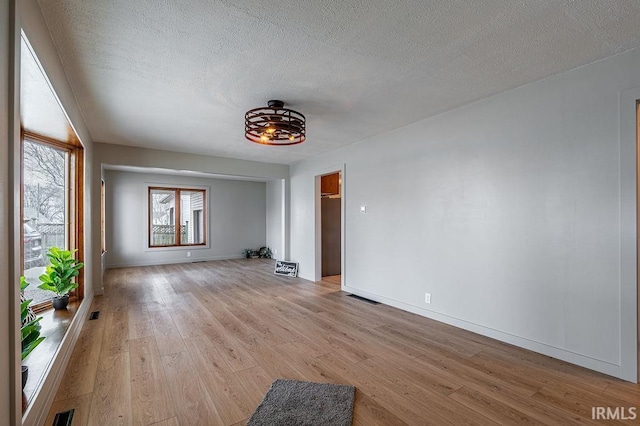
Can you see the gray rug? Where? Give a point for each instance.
(295, 403)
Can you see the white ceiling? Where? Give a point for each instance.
(179, 75)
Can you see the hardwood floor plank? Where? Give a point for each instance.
(225, 390)
(408, 371)
(379, 389)
(116, 333)
(546, 369)
(80, 379)
(271, 332)
(629, 392)
(235, 355)
(461, 368)
(540, 410)
(432, 337)
(491, 408)
(269, 359)
(367, 412)
(306, 347)
(139, 322)
(187, 324)
(327, 334)
(168, 337)
(191, 399)
(111, 398)
(150, 397)
(577, 400)
(231, 324)
(173, 421)
(255, 382)
(427, 401)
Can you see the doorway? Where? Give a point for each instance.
(329, 201)
(638, 238)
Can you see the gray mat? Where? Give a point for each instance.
(295, 403)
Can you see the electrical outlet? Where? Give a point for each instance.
(188, 254)
(427, 298)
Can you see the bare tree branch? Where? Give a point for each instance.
(44, 180)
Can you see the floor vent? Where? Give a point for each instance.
(373, 302)
(94, 315)
(63, 419)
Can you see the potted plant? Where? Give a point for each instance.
(247, 253)
(59, 276)
(265, 253)
(29, 330)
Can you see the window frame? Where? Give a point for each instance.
(177, 216)
(103, 220)
(74, 221)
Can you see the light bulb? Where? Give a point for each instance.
(271, 130)
(264, 138)
(291, 137)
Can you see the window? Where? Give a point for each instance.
(51, 208)
(171, 206)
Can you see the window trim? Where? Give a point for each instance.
(178, 189)
(74, 202)
(103, 237)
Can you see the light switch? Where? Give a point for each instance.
(363, 209)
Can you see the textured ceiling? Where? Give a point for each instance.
(179, 74)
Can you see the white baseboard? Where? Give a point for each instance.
(171, 262)
(542, 348)
(40, 405)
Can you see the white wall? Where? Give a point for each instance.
(145, 157)
(275, 218)
(507, 211)
(236, 219)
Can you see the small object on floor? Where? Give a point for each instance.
(94, 315)
(297, 403)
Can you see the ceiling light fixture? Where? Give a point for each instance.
(275, 125)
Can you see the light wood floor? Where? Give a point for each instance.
(200, 343)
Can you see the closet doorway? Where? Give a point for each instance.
(331, 227)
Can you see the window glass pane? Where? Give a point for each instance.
(162, 212)
(44, 211)
(191, 217)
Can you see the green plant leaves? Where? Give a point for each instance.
(59, 275)
(30, 331)
(31, 338)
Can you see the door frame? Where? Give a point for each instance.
(637, 158)
(629, 149)
(318, 221)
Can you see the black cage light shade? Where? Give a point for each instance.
(275, 125)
